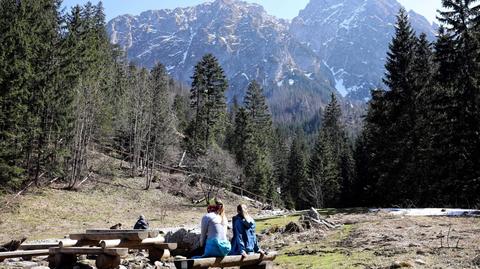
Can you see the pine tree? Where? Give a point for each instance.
(32, 121)
(240, 136)
(208, 102)
(258, 141)
(331, 166)
(295, 189)
(400, 139)
(373, 148)
(15, 76)
(159, 126)
(257, 109)
(452, 111)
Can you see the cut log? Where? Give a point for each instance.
(77, 243)
(35, 246)
(228, 261)
(145, 243)
(151, 233)
(138, 236)
(23, 253)
(111, 243)
(122, 252)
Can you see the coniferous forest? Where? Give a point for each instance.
(65, 90)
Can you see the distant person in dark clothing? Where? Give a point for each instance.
(244, 240)
(142, 223)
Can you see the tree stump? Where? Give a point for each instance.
(107, 261)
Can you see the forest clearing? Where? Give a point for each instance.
(364, 240)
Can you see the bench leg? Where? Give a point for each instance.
(262, 265)
(104, 261)
(61, 260)
(155, 254)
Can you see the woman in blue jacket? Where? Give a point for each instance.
(244, 240)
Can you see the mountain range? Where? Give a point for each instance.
(331, 46)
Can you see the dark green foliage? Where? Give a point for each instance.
(295, 189)
(181, 108)
(208, 102)
(420, 144)
(32, 116)
(250, 142)
(330, 167)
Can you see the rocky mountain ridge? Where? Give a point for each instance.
(332, 46)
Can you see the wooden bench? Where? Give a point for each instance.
(157, 249)
(25, 254)
(151, 233)
(131, 239)
(255, 261)
(107, 258)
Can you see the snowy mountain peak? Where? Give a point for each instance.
(352, 36)
(332, 44)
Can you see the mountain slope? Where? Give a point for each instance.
(249, 43)
(332, 46)
(352, 36)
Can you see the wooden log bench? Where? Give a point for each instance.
(131, 239)
(127, 235)
(255, 261)
(25, 254)
(157, 249)
(66, 257)
(35, 246)
(151, 233)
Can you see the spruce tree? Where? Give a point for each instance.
(208, 102)
(453, 110)
(295, 189)
(393, 168)
(15, 76)
(331, 166)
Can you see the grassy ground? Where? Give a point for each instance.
(379, 241)
(274, 223)
(107, 199)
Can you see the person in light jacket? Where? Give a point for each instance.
(214, 231)
(244, 241)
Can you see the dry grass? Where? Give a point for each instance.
(380, 241)
(108, 198)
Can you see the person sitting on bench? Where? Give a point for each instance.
(141, 224)
(244, 240)
(214, 231)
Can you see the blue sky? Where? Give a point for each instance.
(281, 8)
